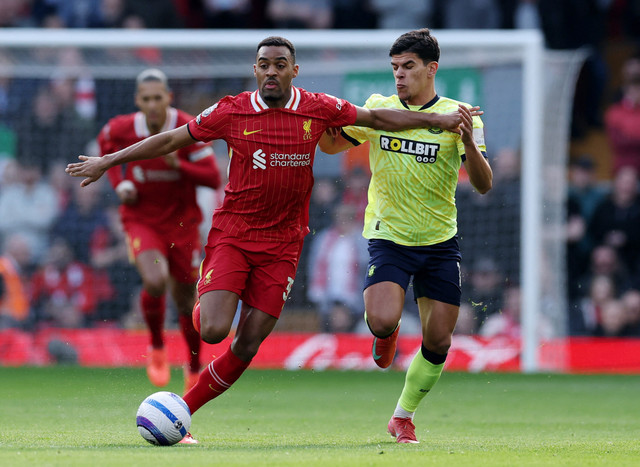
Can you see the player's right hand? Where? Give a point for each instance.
(451, 121)
(91, 167)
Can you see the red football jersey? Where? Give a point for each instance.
(166, 196)
(271, 154)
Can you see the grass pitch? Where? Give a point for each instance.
(66, 416)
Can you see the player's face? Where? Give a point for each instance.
(275, 70)
(153, 98)
(414, 78)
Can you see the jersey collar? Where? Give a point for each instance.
(426, 106)
(140, 123)
(259, 104)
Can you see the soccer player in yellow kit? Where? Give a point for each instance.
(410, 219)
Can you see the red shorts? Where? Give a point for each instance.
(182, 248)
(261, 273)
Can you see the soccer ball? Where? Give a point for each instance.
(163, 418)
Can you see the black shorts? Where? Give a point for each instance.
(435, 268)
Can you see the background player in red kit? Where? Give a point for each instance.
(161, 217)
(256, 236)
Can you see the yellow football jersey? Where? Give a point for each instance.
(411, 198)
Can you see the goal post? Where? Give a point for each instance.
(525, 91)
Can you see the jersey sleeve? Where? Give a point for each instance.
(199, 151)
(478, 136)
(201, 167)
(105, 141)
(107, 146)
(360, 134)
(339, 112)
(210, 124)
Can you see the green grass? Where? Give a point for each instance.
(65, 416)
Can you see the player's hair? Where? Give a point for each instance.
(152, 74)
(277, 41)
(420, 42)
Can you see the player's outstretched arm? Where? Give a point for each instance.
(399, 119)
(92, 168)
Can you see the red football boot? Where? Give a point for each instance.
(403, 430)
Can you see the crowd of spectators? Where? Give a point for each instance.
(63, 256)
(603, 253)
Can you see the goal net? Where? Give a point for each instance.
(60, 87)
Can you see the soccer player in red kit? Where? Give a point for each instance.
(160, 216)
(256, 236)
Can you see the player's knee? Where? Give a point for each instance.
(184, 307)
(383, 325)
(156, 287)
(213, 333)
(439, 345)
(245, 351)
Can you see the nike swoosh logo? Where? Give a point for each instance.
(247, 133)
(375, 356)
(214, 389)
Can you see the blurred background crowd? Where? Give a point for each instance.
(63, 257)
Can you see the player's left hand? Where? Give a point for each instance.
(90, 167)
(466, 123)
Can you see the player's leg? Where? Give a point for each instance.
(253, 328)
(223, 277)
(224, 273)
(217, 311)
(438, 321)
(263, 272)
(386, 281)
(265, 294)
(154, 271)
(220, 307)
(146, 248)
(383, 308)
(153, 268)
(437, 291)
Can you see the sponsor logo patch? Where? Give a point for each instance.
(278, 159)
(424, 152)
(206, 112)
(259, 160)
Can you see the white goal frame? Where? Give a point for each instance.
(526, 45)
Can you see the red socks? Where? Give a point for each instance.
(153, 311)
(192, 338)
(215, 379)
